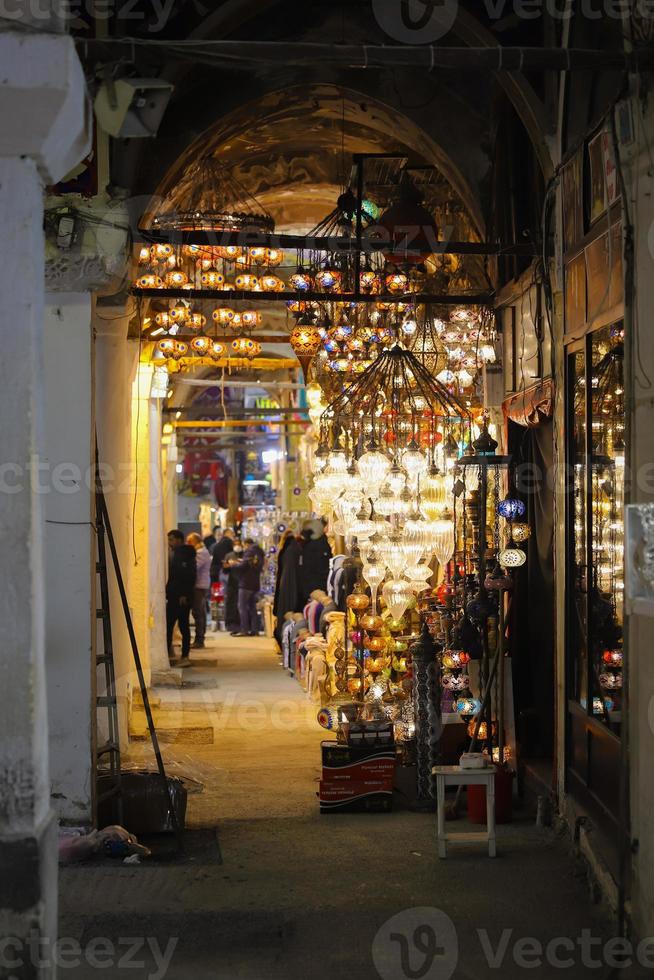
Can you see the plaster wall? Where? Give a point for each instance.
(69, 545)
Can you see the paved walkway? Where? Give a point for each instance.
(294, 895)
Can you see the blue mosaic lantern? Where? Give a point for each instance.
(510, 508)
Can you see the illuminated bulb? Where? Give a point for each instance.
(212, 279)
(373, 467)
(223, 315)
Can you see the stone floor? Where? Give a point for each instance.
(269, 889)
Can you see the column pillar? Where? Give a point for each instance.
(44, 133)
(67, 487)
(157, 546)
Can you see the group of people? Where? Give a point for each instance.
(302, 567)
(193, 565)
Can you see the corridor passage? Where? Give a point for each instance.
(286, 893)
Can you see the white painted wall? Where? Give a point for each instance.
(69, 550)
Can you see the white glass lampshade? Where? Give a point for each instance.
(373, 467)
(418, 572)
(397, 594)
(432, 495)
(415, 463)
(441, 533)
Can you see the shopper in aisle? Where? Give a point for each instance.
(230, 579)
(220, 551)
(180, 592)
(249, 583)
(287, 597)
(314, 561)
(212, 539)
(201, 591)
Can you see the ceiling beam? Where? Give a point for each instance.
(307, 54)
(440, 299)
(343, 244)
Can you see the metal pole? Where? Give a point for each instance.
(139, 666)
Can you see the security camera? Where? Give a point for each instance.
(128, 108)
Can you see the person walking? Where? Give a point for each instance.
(180, 592)
(218, 554)
(314, 561)
(230, 576)
(201, 591)
(287, 597)
(211, 540)
(249, 582)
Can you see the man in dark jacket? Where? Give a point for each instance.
(179, 592)
(219, 552)
(249, 583)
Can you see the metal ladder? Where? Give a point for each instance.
(106, 755)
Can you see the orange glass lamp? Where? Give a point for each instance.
(216, 350)
(306, 341)
(175, 279)
(223, 316)
(271, 283)
(229, 252)
(246, 347)
(371, 623)
(247, 281)
(358, 601)
(150, 281)
(212, 279)
(201, 345)
(161, 252)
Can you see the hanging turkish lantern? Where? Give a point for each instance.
(166, 346)
(510, 508)
(274, 257)
(250, 318)
(301, 280)
(271, 283)
(201, 345)
(161, 252)
(195, 320)
(216, 350)
(328, 278)
(150, 281)
(212, 279)
(412, 230)
(229, 252)
(246, 347)
(176, 279)
(247, 281)
(305, 339)
(223, 315)
(180, 314)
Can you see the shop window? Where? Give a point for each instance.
(596, 456)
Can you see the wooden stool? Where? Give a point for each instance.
(456, 776)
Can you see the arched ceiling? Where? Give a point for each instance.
(292, 150)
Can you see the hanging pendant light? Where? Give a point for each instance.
(216, 350)
(201, 345)
(246, 347)
(398, 595)
(305, 339)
